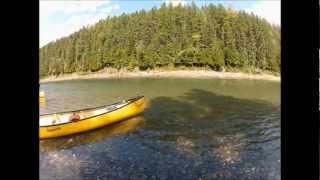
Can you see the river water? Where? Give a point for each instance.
(190, 129)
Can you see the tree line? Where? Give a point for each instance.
(209, 36)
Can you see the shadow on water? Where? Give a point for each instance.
(215, 136)
(199, 134)
(201, 111)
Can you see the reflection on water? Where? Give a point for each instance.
(210, 130)
(63, 163)
(78, 94)
(228, 153)
(42, 103)
(91, 137)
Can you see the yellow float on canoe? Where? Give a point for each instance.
(67, 123)
(42, 97)
(41, 94)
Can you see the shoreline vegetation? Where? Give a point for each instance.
(168, 37)
(160, 73)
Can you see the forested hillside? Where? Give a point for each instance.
(211, 36)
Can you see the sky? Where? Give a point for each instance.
(60, 18)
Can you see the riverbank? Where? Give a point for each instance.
(161, 74)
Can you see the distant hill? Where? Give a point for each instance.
(211, 36)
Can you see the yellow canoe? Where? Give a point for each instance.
(59, 124)
(92, 137)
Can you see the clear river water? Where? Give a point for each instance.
(190, 129)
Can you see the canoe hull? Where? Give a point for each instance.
(132, 109)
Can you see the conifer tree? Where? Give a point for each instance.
(212, 36)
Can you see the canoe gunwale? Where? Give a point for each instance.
(132, 100)
(91, 108)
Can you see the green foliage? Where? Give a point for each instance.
(187, 56)
(210, 36)
(232, 57)
(217, 57)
